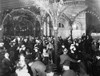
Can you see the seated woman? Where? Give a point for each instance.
(22, 68)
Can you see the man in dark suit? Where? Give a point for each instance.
(65, 57)
(6, 65)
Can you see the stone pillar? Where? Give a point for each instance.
(48, 28)
(44, 32)
(55, 42)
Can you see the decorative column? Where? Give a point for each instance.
(34, 29)
(48, 29)
(44, 28)
(71, 29)
(41, 32)
(55, 41)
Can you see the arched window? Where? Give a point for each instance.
(62, 26)
(59, 25)
(77, 25)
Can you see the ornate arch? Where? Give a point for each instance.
(78, 25)
(16, 10)
(90, 8)
(15, 15)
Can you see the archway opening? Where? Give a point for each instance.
(93, 23)
(21, 22)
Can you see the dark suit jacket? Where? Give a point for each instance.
(69, 73)
(6, 65)
(64, 57)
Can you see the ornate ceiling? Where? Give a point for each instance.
(11, 4)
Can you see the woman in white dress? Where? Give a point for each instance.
(22, 68)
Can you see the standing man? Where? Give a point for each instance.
(6, 65)
(65, 57)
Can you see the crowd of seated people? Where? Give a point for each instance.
(36, 57)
